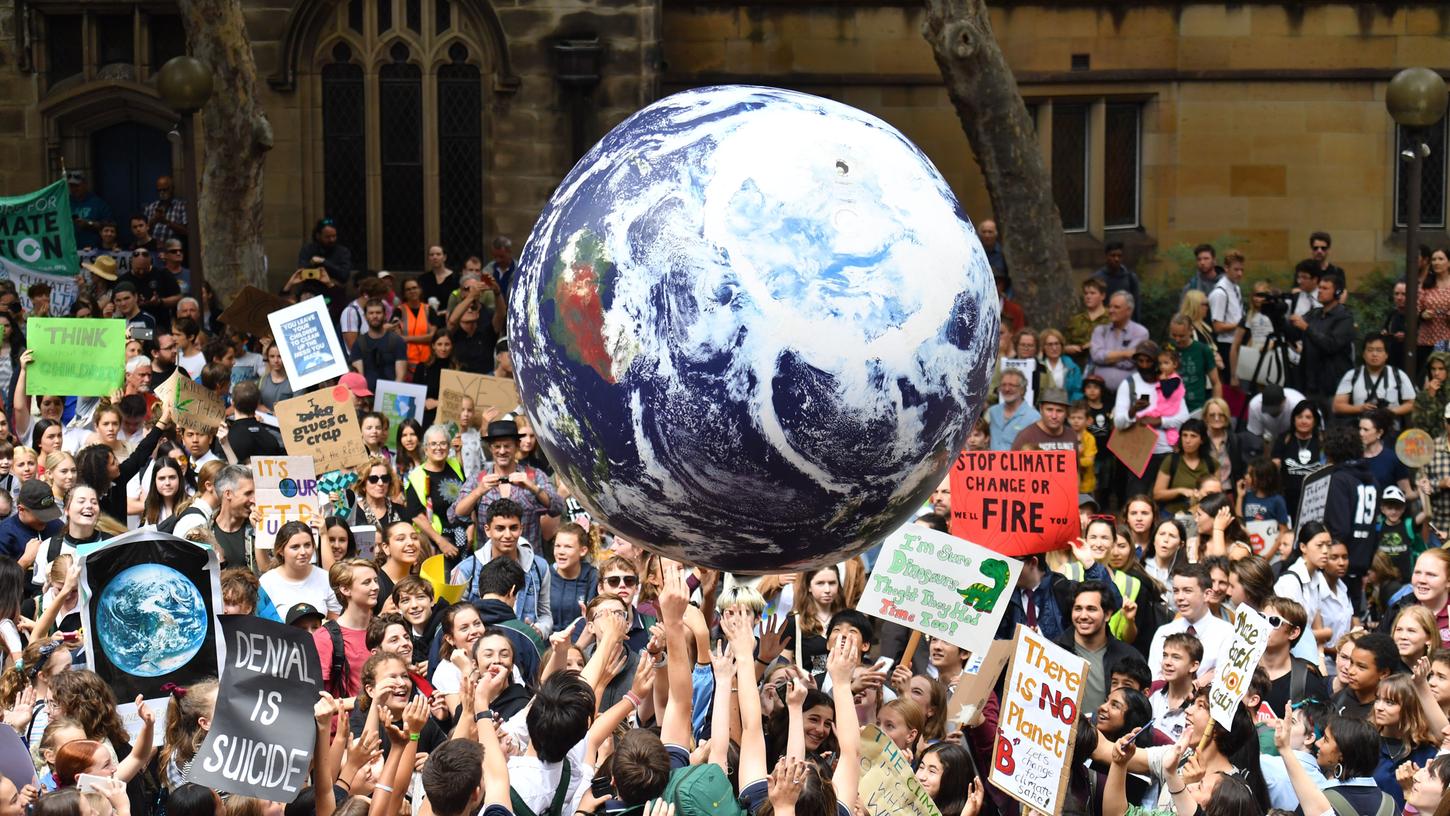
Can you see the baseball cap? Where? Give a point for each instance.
(1392, 493)
(383, 273)
(1085, 499)
(1147, 347)
(303, 610)
(356, 383)
(1273, 396)
(36, 497)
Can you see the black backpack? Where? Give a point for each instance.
(168, 525)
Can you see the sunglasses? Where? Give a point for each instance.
(383, 479)
(1275, 621)
(622, 580)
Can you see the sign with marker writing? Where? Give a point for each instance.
(485, 391)
(1015, 502)
(310, 349)
(286, 491)
(888, 786)
(192, 406)
(1236, 666)
(941, 586)
(1314, 499)
(1037, 722)
(322, 424)
(75, 356)
(262, 736)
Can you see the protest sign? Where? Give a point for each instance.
(1037, 723)
(286, 491)
(262, 735)
(192, 406)
(399, 401)
(75, 356)
(1133, 446)
(15, 762)
(1236, 665)
(63, 288)
(1313, 499)
(249, 309)
(36, 231)
(1015, 502)
(310, 350)
(976, 681)
(1263, 536)
(940, 585)
(149, 602)
(322, 424)
(485, 391)
(1415, 448)
(1027, 366)
(888, 786)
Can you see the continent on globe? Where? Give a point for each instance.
(754, 328)
(151, 620)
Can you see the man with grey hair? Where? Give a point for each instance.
(502, 265)
(1113, 344)
(232, 526)
(189, 307)
(1011, 415)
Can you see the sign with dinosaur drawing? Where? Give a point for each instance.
(941, 585)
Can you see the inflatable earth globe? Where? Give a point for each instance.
(752, 328)
(151, 620)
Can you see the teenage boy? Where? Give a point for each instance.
(461, 775)
(1177, 669)
(1190, 584)
(573, 581)
(1291, 679)
(1374, 658)
(1397, 535)
(503, 525)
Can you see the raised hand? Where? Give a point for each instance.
(785, 783)
(773, 639)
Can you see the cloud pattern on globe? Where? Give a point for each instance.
(151, 620)
(752, 327)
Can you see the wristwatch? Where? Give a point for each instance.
(487, 713)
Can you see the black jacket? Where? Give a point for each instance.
(1328, 349)
(1350, 509)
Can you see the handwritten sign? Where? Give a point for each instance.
(1236, 666)
(310, 350)
(249, 311)
(322, 424)
(193, 407)
(888, 786)
(261, 738)
(399, 401)
(1038, 722)
(485, 391)
(75, 356)
(1263, 536)
(1133, 447)
(1016, 502)
(941, 585)
(286, 491)
(1314, 499)
(1415, 447)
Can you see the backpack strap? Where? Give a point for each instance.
(528, 631)
(339, 657)
(556, 808)
(52, 552)
(1299, 677)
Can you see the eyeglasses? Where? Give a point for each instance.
(1275, 621)
(437, 444)
(385, 478)
(622, 580)
(1215, 415)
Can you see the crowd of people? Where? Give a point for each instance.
(579, 674)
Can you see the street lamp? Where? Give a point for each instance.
(1416, 99)
(185, 83)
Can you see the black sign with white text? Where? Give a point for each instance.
(262, 736)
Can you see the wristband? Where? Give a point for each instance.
(633, 698)
(413, 737)
(1176, 792)
(383, 788)
(480, 716)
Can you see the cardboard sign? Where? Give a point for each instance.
(322, 424)
(1015, 502)
(249, 311)
(941, 585)
(498, 392)
(1263, 536)
(1314, 499)
(262, 735)
(310, 350)
(1133, 447)
(1415, 447)
(399, 401)
(1038, 722)
(1236, 666)
(193, 407)
(36, 231)
(976, 681)
(286, 491)
(1027, 366)
(75, 356)
(888, 786)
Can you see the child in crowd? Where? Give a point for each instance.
(1087, 447)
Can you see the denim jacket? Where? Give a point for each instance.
(532, 604)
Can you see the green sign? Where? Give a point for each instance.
(36, 231)
(76, 356)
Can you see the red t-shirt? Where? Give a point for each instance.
(355, 651)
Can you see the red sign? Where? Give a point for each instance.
(1015, 502)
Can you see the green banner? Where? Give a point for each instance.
(75, 356)
(36, 231)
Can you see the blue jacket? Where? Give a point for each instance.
(565, 594)
(1054, 603)
(532, 604)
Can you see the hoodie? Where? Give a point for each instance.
(1349, 511)
(532, 605)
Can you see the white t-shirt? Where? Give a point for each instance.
(192, 364)
(314, 589)
(535, 780)
(1392, 386)
(447, 679)
(1261, 424)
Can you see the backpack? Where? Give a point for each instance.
(1342, 807)
(168, 524)
(337, 674)
(702, 790)
(556, 808)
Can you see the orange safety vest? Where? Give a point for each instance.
(415, 324)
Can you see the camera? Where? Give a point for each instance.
(1276, 304)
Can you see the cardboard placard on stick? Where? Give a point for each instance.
(485, 391)
(286, 491)
(1134, 447)
(887, 786)
(976, 681)
(249, 311)
(940, 585)
(1015, 502)
(1236, 665)
(262, 736)
(74, 356)
(321, 424)
(1313, 499)
(192, 406)
(1037, 723)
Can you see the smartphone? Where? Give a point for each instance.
(91, 783)
(141, 333)
(884, 665)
